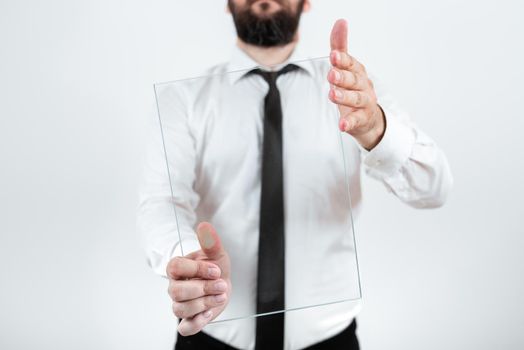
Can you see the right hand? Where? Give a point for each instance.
(199, 283)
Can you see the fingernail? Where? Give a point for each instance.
(207, 314)
(220, 286)
(334, 56)
(338, 94)
(220, 298)
(213, 272)
(207, 238)
(343, 124)
(336, 75)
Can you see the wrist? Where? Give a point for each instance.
(372, 138)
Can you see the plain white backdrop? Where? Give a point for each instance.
(75, 92)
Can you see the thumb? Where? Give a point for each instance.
(339, 36)
(209, 241)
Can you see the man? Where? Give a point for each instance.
(376, 133)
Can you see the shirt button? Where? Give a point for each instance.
(378, 162)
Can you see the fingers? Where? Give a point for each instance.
(348, 80)
(349, 98)
(339, 48)
(190, 308)
(190, 326)
(345, 61)
(183, 268)
(181, 291)
(339, 36)
(351, 121)
(209, 241)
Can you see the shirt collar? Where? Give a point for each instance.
(240, 62)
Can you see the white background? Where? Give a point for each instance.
(75, 91)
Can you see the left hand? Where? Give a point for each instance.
(200, 282)
(353, 92)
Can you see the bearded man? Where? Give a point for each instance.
(231, 160)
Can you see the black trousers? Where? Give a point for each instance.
(345, 340)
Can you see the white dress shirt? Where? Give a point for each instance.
(214, 151)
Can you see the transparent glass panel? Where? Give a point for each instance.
(212, 133)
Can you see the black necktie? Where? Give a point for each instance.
(271, 243)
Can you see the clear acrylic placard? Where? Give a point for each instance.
(212, 130)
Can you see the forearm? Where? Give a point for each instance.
(410, 165)
(163, 236)
(166, 215)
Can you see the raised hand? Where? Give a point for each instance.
(199, 283)
(353, 92)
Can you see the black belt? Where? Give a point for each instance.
(345, 340)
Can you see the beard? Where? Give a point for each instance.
(277, 29)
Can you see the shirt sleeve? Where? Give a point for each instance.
(407, 161)
(166, 210)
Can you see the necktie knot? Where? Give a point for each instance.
(271, 76)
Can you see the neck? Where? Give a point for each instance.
(268, 56)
